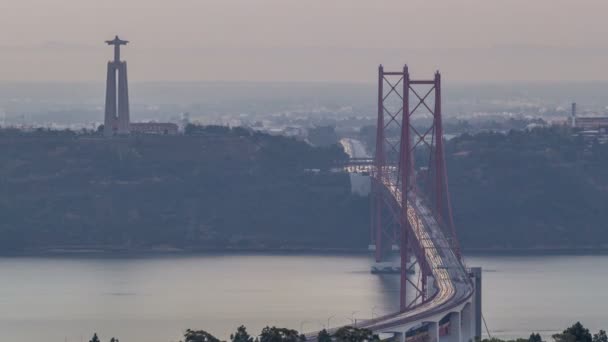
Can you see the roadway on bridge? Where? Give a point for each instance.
(452, 283)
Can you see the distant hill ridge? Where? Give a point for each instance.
(213, 188)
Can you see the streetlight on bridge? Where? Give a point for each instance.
(352, 318)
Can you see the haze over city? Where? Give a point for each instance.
(299, 41)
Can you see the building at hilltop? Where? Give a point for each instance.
(160, 128)
(592, 123)
(588, 123)
(116, 120)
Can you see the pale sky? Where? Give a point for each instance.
(305, 40)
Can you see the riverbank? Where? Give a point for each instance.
(160, 251)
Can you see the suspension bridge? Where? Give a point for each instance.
(412, 213)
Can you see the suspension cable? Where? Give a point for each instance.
(486, 325)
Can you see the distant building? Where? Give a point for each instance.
(588, 123)
(117, 118)
(592, 123)
(161, 128)
(573, 115)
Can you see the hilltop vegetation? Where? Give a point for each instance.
(542, 188)
(216, 188)
(212, 188)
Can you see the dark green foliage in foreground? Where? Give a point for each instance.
(494, 339)
(575, 333)
(199, 336)
(324, 336)
(268, 334)
(95, 338)
(215, 187)
(275, 334)
(241, 335)
(600, 336)
(529, 189)
(535, 337)
(352, 334)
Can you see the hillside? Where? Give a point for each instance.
(212, 188)
(543, 188)
(220, 188)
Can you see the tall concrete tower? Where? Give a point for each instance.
(573, 115)
(116, 119)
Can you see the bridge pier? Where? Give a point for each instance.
(360, 184)
(466, 323)
(453, 334)
(400, 337)
(433, 330)
(477, 319)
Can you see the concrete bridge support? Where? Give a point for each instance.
(461, 328)
(433, 330)
(477, 319)
(465, 320)
(453, 334)
(466, 323)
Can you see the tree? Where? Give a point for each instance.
(199, 336)
(94, 338)
(324, 336)
(241, 335)
(352, 334)
(535, 337)
(576, 333)
(275, 334)
(600, 336)
(564, 337)
(493, 339)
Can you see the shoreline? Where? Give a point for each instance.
(175, 251)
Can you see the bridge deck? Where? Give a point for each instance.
(452, 282)
(451, 279)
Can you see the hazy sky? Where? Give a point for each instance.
(305, 40)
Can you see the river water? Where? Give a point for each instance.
(150, 299)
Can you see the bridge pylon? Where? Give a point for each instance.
(409, 156)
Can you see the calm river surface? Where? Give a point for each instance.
(154, 299)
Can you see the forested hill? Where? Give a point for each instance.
(544, 188)
(216, 188)
(211, 188)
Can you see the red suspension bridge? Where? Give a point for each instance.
(411, 212)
